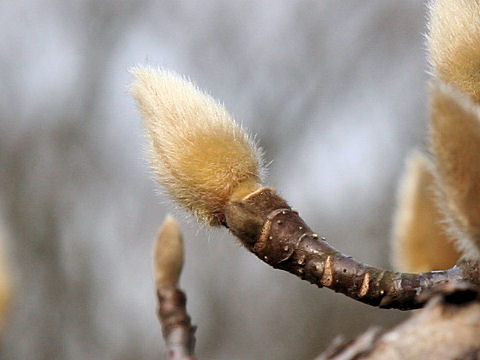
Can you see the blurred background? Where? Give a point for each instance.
(335, 92)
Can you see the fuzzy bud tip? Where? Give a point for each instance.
(168, 254)
(200, 155)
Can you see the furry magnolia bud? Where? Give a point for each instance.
(454, 43)
(198, 153)
(455, 142)
(420, 242)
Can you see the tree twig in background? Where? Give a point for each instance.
(178, 332)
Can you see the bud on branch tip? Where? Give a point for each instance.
(199, 154)
(168, 254)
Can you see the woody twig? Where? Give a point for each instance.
(270, 229)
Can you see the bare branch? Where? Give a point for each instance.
(269, 228)
(178, 332)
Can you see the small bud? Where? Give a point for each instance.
(454, 43)
(168, 254)
(198, 153)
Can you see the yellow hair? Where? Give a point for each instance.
(455, 142)
(420, 242)
(454, 43)
(199, 154)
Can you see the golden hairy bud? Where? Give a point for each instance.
(420, 241)
(455, 142)
(454, 43)
(198, 153)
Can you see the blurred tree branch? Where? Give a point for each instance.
(38, 163)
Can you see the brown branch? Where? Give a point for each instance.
(269, 228)
(446, 329)
(178, 332)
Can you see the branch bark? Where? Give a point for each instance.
(446, 329)
(267, 226)
(178, 332)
